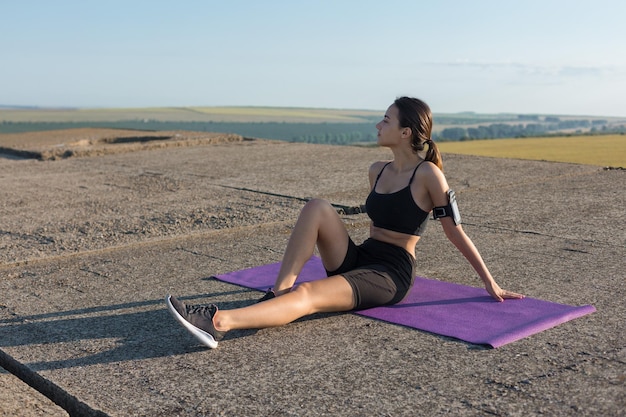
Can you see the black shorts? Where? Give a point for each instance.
(380, 273)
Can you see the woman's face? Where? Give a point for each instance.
(389, 131)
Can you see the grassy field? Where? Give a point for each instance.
(254, 114)
(292, 123)
(238, 114)
(195, 114)
(609, 150)
(287, 114)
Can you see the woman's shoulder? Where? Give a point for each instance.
(429, 168)
(375, 169)
(377, 166)
(431, 176)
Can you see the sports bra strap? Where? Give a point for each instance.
(415, 170)
(381, 173)
(410, 181)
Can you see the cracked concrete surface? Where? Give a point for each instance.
(90, 246)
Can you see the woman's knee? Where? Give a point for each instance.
(320, 210)
(318, 206)
(305, 297)
(328, 295)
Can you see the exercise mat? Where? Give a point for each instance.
(444, 308)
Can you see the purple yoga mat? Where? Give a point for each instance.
(459, 311)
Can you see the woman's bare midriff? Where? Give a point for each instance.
(402, 240)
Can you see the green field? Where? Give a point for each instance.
(602, 150)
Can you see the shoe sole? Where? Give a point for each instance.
(204, 337)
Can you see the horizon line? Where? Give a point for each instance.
(78, 108)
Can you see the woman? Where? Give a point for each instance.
(381, 270)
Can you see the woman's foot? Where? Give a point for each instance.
(198, 320)
(269, 294)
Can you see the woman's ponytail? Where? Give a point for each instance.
(432, 154)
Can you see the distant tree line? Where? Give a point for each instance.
(470, 118)
(330, 133)
(503, 130)
(326, 133)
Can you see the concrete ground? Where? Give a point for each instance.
(90, 246)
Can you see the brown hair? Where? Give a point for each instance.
(416, 115)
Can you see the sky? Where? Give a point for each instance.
(562, 57)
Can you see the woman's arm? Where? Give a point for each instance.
(437, 187)
(464, 244)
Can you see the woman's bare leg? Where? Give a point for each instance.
(319, 224)
(332, 294)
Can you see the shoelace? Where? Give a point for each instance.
(204, 310)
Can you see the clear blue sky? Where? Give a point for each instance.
(532, 56)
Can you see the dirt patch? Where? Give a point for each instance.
(59, 144)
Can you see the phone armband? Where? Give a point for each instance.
(449, 210)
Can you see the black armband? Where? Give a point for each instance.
(449, 210)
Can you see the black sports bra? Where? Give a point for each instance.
(396, 211)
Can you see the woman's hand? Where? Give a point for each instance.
(498, 293)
